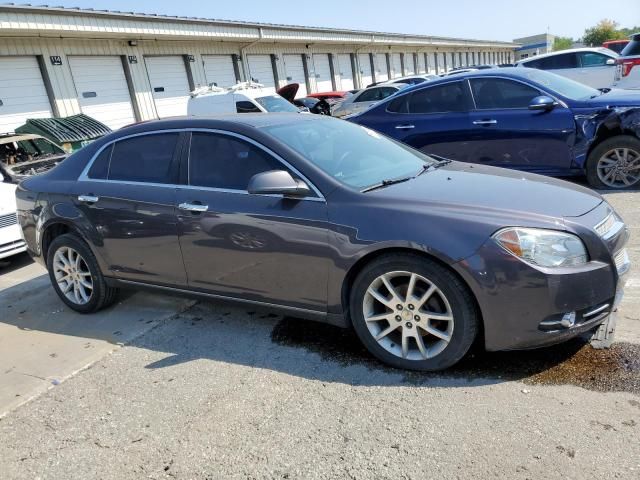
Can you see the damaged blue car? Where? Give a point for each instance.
(520, 118)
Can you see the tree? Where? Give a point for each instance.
(629, 31)
(562, 43)
(605, 30)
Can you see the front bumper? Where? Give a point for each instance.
(527, 307)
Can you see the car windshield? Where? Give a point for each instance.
(561, 85)
(28, 156)
(275, 103)
(353, 155)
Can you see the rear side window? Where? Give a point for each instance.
(497, 93)
(247, 107)
(450, 97)
(223, 161)
(147, 158)
(375, 94)
(100, 167)
(555, 62)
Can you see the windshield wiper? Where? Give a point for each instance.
(386, 183)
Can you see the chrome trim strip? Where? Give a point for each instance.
(222, 297)
(85, 178)
(596, 311)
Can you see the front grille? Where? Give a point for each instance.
(8, 220)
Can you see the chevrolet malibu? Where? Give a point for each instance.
(327, 220)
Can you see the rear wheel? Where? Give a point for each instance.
(76, 277)
(615, 163)
(413, 313)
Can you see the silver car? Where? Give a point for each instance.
(365, 98)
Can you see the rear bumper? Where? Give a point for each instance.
(528, 307)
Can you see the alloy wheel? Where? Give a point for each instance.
(72, 275)
(408, 315)
(619, 168)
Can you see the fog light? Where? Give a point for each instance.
(568, 320)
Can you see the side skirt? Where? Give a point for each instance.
(323, 317)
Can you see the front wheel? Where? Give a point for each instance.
(412, 313)
(76, 276)
(615, 163)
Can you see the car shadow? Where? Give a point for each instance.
(11, 264)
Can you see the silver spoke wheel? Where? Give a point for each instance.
(408, 315)
(72, 275)
(619, 168)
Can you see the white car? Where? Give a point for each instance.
(591, 66)
(628, 65)
(245, 97)
(365, 98)
(11, 241)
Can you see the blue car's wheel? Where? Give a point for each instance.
(615, 163)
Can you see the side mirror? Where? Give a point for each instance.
(610, 61)
(278, 182)
(542, 102)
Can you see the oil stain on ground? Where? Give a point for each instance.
(573, 362)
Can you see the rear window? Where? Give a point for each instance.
(632, 48)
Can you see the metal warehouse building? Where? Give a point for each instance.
(123, 67)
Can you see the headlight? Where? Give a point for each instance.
(546, 248)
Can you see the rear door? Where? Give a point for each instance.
(128, 194)
(262, 248)
(505, 133)
(432, 119)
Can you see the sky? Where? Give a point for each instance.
(478, 19)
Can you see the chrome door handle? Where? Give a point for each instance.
(405, 127)
(88, 198)
(485, 122)
(193, 207)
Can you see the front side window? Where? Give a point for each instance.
(226, 162)
(498, 93)
(592, 59)
(147, 158)
(355, 156)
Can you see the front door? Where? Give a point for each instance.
(256, 247)
(505, 133)
(128, 196)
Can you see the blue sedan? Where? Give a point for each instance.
(519, 118)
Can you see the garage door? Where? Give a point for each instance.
(382, 75)
(323, 72)
(261, 71)
(169, 85)
(102, 89)
(421, 66)
(365, 69)
(396, 65)
(409, 67)
(22, 92)
(294, 69)
(218, 70)
(345, 72)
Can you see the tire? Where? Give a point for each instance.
(99, 296)
(450, 299)
(597, 171)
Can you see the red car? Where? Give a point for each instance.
(615, 45)
(330, 95)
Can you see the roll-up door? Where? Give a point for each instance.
(382, 75)
(261, 71)
(22, 92)
(323, 72)
(169, 85)
(219, 71)
(294, 68)
(409, 67)
(345, 71)
(102, 89)
(396, 65)
(364, 62)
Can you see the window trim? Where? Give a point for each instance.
(182, 151)
(470, 108)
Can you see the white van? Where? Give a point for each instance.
(245, 97)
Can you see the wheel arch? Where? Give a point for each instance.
(607, 130)
(374, 255)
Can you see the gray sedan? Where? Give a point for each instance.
(327, 220)
(363, 99)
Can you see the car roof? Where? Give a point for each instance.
(602, 50)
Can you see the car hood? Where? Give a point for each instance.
(498, 190)
(617, 98)
(288, 92)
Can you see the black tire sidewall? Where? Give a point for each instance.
(460, 300)
(620, 141)
(100, 289)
